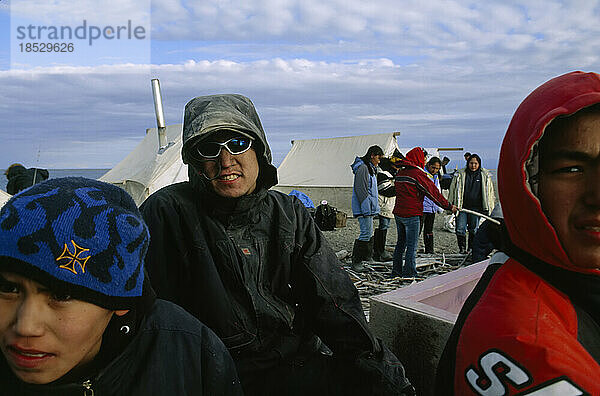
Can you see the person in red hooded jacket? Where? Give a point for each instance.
(531, 325)
(412, 185)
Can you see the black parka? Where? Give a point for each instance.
(171, 353)
(257, 270)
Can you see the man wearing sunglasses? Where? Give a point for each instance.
(253, 266)
(227, 161)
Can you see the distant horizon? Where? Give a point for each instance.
(452, 162)
(95, 173)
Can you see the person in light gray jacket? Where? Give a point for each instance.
(471, 188)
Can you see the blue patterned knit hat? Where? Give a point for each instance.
(78, 236)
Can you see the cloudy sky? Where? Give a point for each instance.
(443, 73)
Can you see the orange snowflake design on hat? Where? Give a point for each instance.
(73, 258)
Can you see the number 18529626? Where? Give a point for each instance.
(47, 47)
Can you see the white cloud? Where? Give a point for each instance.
(469, 35)
(96, 115)
(443, 72)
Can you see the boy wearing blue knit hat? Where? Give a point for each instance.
(77, 314)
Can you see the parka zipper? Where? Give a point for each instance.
(239, 273)
(236, 266)
(88, 388)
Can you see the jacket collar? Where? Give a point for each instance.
(581, 288)
(233, 212)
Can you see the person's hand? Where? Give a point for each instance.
(454, 209)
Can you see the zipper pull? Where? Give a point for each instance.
(88, 388)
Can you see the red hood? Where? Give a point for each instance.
(528, 227)
(415, 157)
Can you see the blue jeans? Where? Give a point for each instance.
(408, 238)
(384, 223)
(366, 228)
(464, 220)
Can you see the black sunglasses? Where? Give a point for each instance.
(210, 150)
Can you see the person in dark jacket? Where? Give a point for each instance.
(387, 199)
(489, 236)
(412, 185)
(19, 177)
(251, 263)
(445, 162)
(445, 176)
(365, 204)
(531, 326)
(77, 313)
(467, 155)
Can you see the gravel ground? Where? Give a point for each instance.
(376, 279)
(343, 238)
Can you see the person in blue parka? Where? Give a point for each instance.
(365, 204)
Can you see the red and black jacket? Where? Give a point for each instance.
(412, 185)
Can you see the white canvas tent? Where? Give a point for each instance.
(145, 171)
(4, 197)
(320, 168)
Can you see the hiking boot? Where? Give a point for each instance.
(358, 267)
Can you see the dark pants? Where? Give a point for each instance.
(428, 219)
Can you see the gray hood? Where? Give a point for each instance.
(207, 114)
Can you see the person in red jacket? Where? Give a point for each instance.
(412, 185)
(531, 325)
